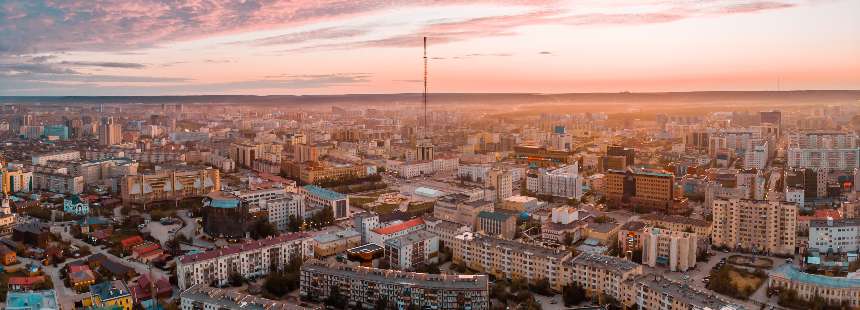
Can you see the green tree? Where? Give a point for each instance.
(295, 223)
(335, 298)
(236, 279)
(572, 294)
(262, 229)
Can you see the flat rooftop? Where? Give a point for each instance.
(468, 282)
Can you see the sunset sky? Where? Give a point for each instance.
(158, 47)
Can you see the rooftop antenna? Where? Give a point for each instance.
(425, 89)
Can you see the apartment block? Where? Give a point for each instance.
(656, 292)
(368, 287)
(834, 235)
(600, 274)
(561, 182)
(412, 250)
(701, 228)
(674, 249)
(511, 259)
(250, 259)
(643, 188)
(169, 185)
(203, 297)
(755, 225)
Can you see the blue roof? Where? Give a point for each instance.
(224, 203)
(791, 272)
(324, 193)
(32, 300)
(110, 289)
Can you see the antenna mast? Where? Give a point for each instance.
(426, 127)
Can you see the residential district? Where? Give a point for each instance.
(217, 206)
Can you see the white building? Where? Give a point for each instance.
(379, 235)
(320, 197)
(411, 169)
(562, 182)
(836, 236)
(674, 249)
(830, 159)
(364, 222)
(756, 157)
(258, 198)
(42, 159)
(412, 250)
(250, 259)
(283, 207)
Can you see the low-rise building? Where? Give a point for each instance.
(31, 300)
(834, 291)
(75, 205)
(109, 294)
(332, 243)
(316, 196)
(368, 287)
(460, 208)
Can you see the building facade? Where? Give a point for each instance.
(755, 225)
(674, 249)
(250, 259)
(366, 288)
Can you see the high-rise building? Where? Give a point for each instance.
(244, 154)
(674, 249)
(755, 225)
(110, 134)
(641, 188)
(562, 182)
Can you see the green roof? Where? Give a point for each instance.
(791, 272)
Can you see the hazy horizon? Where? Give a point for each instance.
(373, 47)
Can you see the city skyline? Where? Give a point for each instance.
(340, 47)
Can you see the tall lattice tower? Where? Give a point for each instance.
(424, 145)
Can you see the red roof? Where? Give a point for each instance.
(146, 247)
(821, 214)
(387, 230)
(26, 281)
(248, 246)
(76, 268)
(130, 241)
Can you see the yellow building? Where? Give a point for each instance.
(649, 189)
(109, 293)
(755, 225)
(511, 259)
